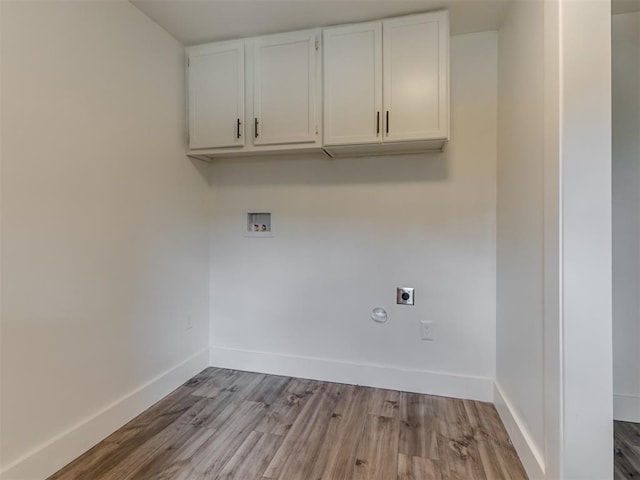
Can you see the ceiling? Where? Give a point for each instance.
(200, 21)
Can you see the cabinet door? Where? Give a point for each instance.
(216, 95)
(415, 92)
(353, 84)
(285, 88)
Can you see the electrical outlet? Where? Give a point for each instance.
(188, 321)
(404, 295)
(426, 330)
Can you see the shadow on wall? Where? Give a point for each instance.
(202, 168)
(318, 169)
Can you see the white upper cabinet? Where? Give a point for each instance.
(386, 82)
(216, 95)
(353, 84)
(415, 84)
(285, 88)
(385, 86)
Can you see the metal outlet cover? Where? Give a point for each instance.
(404, 295)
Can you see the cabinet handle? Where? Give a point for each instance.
(387, 122)
(255, 127)
(238, 123)
(377, 123)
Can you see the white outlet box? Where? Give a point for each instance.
(259, 223)
(426, 330)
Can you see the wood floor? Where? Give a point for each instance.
(627, 450)
(226, 424)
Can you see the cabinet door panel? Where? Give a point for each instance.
(216, 95)
(285, 88)
(353, 84)
(415, 91)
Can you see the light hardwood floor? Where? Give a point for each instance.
(226, 424)
(627, 450)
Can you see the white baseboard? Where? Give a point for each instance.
(530, 456)
(370, 375)
(49, 457)
(626, 408)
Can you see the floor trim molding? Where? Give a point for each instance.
(370, 375)
(530, 456)
(49, 457)
(626, 408)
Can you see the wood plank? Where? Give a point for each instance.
(215, 411)
(494, 467)
(252, 458)
(216, 381)
(627, 432)
(626, 458)
(493, 425)
(497, 439)
(86, 464)
(175, 456)
(209, 461)
(457, 450)
(302, 387)
(203, 377)
(288, 406)
(233, 381)
(268, 389)
(298, 453)
(418, 427)
(417, 468)
(377, 456)
(336, 459)
(384, 403)
(225, 401)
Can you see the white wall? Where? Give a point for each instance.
(104, 228)
(626, 215)
(348, 232)
(564, 272)
(585, 172)
(520, 315)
